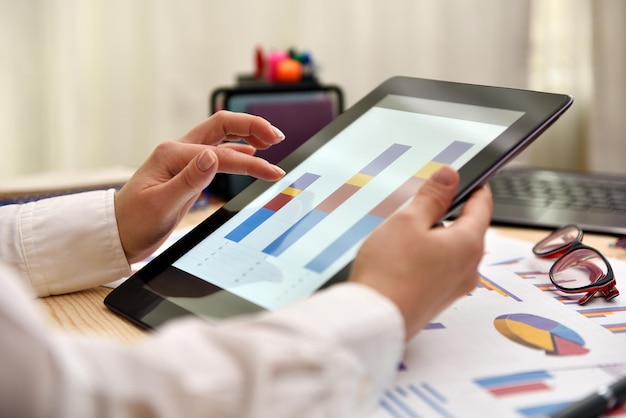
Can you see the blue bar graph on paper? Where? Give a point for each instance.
(397, 406)
(415, 401)
(515, 378)
(542, 410)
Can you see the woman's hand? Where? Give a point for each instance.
(163, 189)
(423, 268)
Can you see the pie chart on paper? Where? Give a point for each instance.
(541, 333)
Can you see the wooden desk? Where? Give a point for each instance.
(85, 313)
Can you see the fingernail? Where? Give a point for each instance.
(279, 170)
(444, 176)
(205, 160)
(278, 133)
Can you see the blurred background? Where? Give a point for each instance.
(95, 83)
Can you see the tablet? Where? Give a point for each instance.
(276, 243)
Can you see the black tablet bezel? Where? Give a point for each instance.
(134, 299)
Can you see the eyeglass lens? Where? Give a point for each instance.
(558, 240)
(579, 268)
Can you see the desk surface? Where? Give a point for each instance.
(84, 312)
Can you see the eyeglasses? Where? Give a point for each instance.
(579, 268)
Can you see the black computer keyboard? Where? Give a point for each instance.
(551, 198)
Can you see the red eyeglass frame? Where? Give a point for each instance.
(604, 283)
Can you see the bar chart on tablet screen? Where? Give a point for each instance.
(296, 235)
(313, 240)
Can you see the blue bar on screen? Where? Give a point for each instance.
(295, 232)
(249, 225)
(352, 236)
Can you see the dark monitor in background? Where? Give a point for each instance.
(299, 110)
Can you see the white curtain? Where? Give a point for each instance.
(560, 61)
(88, 84)
(95, 83)
(579, 47)
(607, 146)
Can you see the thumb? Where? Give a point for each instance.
(435, 196)
(196, 175)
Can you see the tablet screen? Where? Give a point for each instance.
(300, 232)
(277, 243)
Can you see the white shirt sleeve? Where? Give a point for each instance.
(327, 356)
(65, 243)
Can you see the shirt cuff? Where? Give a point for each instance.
(72, 243)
